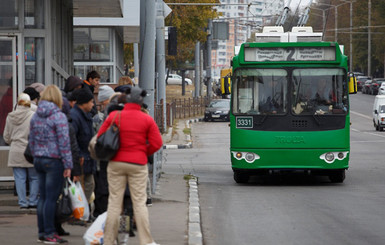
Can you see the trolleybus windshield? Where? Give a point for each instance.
(260, 91)
(319, 91)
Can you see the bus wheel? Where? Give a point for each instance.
(337, 176)
(241, 177)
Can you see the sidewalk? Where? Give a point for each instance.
(167, 217)
(174, 215)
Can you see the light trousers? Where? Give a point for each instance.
(118, 175)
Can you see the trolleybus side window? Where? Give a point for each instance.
(260, 91)
(319, 92)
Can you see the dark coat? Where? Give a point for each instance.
(82, 124)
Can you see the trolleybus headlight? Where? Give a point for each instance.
(329, 156)
(238, 155)
(250, 157)
(341, 155)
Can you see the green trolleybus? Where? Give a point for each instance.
(290, 109)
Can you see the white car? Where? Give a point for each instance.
(176, 79)
(381, 90)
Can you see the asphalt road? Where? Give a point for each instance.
(294, 209)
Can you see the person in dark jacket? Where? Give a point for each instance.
(50, 146)
(92, 81)
(76, 171)
(82, 123)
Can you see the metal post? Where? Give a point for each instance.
(201, 92)
(161, 60)
(208, 70)
(236, 32)
(136, 62)
(351, 38)
(369, 39)
(323, 25)
(183, 82)
(336, 24)
(197, 70)
(147, 52)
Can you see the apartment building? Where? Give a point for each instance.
(244, 18)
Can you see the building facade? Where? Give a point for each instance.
(244, 18)
(37, 45)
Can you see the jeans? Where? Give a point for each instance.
(20, 175)
(50, 174)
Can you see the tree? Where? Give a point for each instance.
(359, 32)
(191, 23)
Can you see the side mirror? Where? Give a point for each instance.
(352, 84)
(375, 112)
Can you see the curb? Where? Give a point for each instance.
(188, 137)
(194, 221)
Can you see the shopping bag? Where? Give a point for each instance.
(91, 147)
(95, 234)
(107, 144)
(64, 205)
(80, 209)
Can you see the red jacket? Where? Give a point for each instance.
(139, 134)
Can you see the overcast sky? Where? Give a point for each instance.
(295, 3)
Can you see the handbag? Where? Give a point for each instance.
(107, 144)
(63, 205)
(28, 155)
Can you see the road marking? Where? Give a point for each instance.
(361, 115)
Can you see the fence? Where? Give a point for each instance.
(179, 109)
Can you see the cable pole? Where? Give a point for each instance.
(351, 38)
(369, 39)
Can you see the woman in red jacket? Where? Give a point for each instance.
(139, 138)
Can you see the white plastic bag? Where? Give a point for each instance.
(79, 202)
(95, 234)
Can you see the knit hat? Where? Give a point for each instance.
(33, 94)
(122, 88)
(39, 87)
(135, 95)
(83, 96)
(72, 83)
(105, 93)
(23, 97)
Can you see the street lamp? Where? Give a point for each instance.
(335, 18)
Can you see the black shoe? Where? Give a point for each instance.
(131, 233)
(149, 202)
(33, 207)
(22, 207)
(63, 233)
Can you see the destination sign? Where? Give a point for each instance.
(291, 54)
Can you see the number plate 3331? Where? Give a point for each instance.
(244, 122)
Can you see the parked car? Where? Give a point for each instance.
(218, 109)
(366, 87)
(375, 85)
(176, 79)
(381, 90)
(379, 112)
(360, 81)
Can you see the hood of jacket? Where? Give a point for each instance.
(46, 109)
(18, 116)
